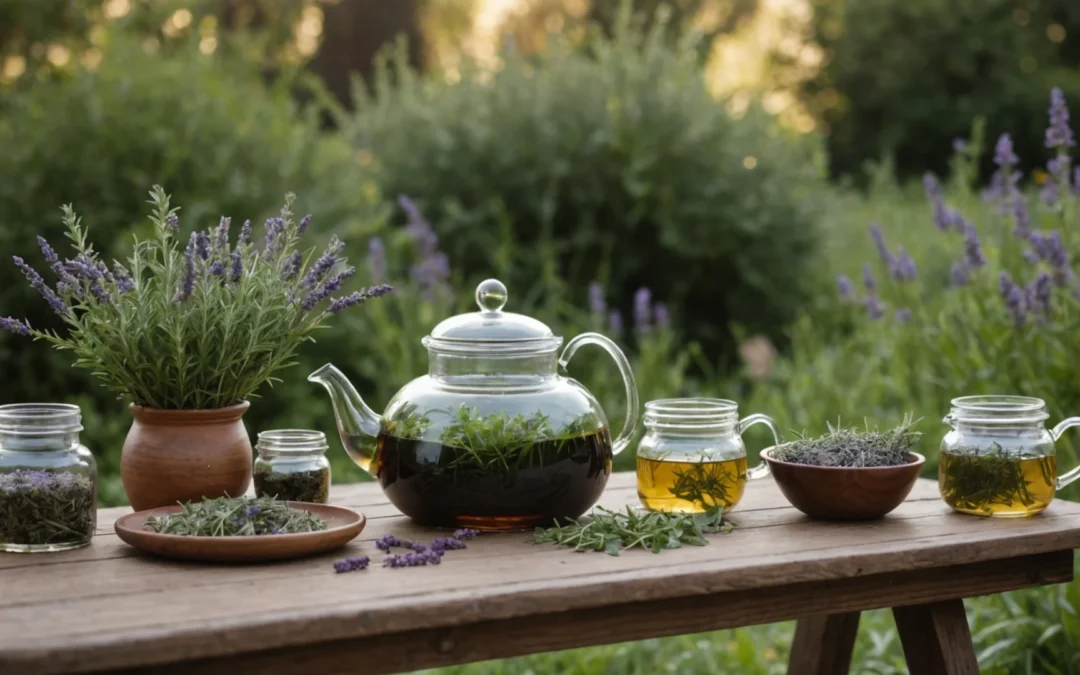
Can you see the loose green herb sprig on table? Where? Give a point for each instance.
(615, 531)
(195, 326)
(236, 517)
(44, 507)
(852, 447)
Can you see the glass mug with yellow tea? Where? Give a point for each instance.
(999, 459)
(692, 457)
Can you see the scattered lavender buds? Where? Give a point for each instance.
(466, 533)
(412, 559)
(389, 541)
(1058, 134)
(352, 564)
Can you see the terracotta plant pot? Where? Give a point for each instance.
(175, 456)
(845, 493)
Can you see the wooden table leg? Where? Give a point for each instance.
(823, 644)
(936, 639)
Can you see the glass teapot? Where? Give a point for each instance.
(492, 437)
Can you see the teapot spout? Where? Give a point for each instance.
(357, 424)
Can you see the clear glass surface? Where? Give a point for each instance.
(291, 465)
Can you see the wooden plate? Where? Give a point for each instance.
(342, 527)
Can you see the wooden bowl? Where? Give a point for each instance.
(342, 526)
(844, 493)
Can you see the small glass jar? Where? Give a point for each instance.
(692, 457)
(48, 480)
(291, 465)
(999, 459)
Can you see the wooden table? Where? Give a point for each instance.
(108, 608)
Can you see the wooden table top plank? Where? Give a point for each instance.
(199, 610)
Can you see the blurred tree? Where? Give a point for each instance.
(905, 77)
(709, 18)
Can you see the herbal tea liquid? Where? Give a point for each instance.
(997, 485)
(690, 487)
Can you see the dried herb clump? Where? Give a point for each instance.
(236, 517)
(853, 447)
(43, 507)
(295, 486)
(615, 531)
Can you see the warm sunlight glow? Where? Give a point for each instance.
(14, 66)
(207, 45)
(309, 29)
(114, 9)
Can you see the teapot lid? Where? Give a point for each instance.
(491, 324)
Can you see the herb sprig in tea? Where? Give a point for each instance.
(615, 531)
(236, 517)
(979, 480)
(853, 447)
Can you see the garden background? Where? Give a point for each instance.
(804, 205)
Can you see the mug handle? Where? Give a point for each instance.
(1074, 473)
(630, 424)
(762, 469)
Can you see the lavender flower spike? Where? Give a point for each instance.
(615, 322)
(868, 278)
(973, 247)
(202, 245)
(245, 234)
(323, 265)
(329, 286)
(38, 284)
(124, 282)
(292, 266)
(303, 226)
(14, 326)
(1058, 135)
(1013, 297)
(1004, 156)
(960, 274)
(874, 307)
(597, 303)
(352, 564)
(643, 309)
(221, 236)
(188, 284)
(338, 304)
(845, 288)
(879, 242)
(56, 265)
(902, 315)
(1039, 293)
(237, 270)
(216, 269)
(903, 266)
(172, 223)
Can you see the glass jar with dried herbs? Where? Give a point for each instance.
(292, 466)
(999, 459)
(48, 480)
(692, 458)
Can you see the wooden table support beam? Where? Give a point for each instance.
(936, 639)
(823, 644)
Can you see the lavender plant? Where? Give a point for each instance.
(193, 327)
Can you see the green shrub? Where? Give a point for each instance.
(613, 164)
(905, 77)
(217, 137)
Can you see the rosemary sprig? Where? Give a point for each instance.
(236, 517)
(706, 484)
(853, 447)
(615, 531)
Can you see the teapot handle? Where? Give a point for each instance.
(1074, 473)
(762, 469)
(631, 423)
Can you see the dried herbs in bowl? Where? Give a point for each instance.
(852, 447)
(849, 473)
(236, 517)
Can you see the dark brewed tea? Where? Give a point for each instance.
(525, 486)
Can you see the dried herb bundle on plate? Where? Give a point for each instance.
(236, 517)
(43, 507)
(615, 531)
(853, 447)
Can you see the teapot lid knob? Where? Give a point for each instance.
(491, 295)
